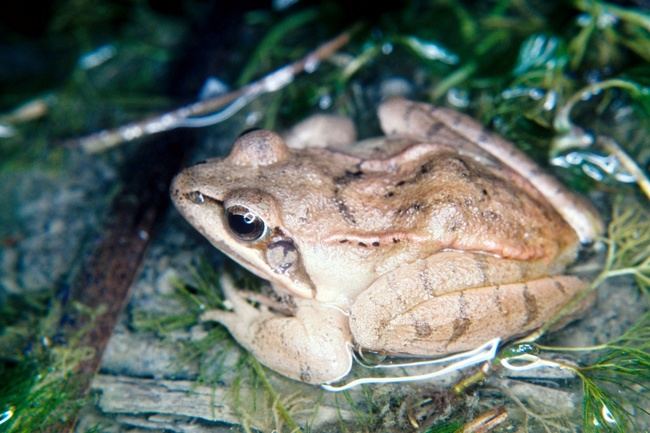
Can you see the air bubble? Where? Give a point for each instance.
(325, 102)
(6, 415)
(607, 415)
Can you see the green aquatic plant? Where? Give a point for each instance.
(40, 388)
(622, 364)
(628, 245)
(628, 252)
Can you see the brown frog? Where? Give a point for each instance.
(429, 240)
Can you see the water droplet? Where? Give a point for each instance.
(536, 94)
(550, 101)
(280, 5)
(325, 102)
(97, 57)
(607, 415)
(606, 20)
(311, 64)
(143, 234)
(387, 48)
(584, 20)
(212, 87)
(131, 132)
(7, 131)
(595, 166)
(253, 118)
(6, 415)
(592, 172)
(458, 97)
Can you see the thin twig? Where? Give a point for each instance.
(630, 165)
(276, 80)
(487, 421)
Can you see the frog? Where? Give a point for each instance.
(427, 240)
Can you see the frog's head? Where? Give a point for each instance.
(229, 201)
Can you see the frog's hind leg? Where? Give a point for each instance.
(453, 301)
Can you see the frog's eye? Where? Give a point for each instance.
(244, 224)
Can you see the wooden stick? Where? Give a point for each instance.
(276, 80)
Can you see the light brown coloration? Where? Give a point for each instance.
(423, 242)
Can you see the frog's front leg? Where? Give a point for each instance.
(313, 346)
(455, 301)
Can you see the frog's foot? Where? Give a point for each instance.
(312, 346)
(322, 130)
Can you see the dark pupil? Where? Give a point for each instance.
(246, 225)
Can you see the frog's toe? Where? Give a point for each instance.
(234, 300)
(220, 316)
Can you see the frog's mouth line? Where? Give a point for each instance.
(262, 272)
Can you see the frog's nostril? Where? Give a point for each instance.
(195, 197)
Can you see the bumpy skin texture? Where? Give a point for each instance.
(427, 241)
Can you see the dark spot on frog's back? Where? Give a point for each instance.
(422, 329)
(345, 211)
(459, 166)
(411, 209)
(559, 286)
(530, 303)
(348, 177)
(426, 168)
(434, 129)
(461, 323)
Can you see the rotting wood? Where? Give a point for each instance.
(104, 282)
(149, 398)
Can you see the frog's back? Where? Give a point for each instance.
(455, 200)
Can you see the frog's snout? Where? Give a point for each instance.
(184, 191)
